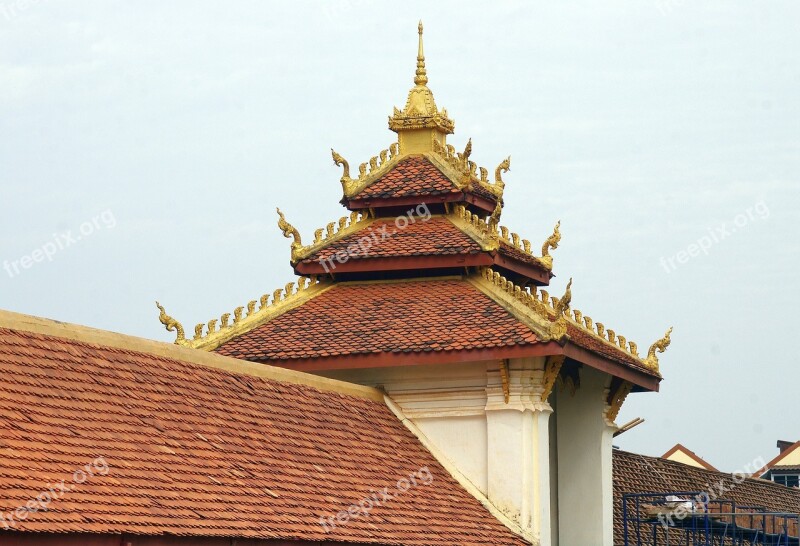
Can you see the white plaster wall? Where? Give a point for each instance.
(463, 439)
(585, 507)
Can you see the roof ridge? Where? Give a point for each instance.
(84, 334)
(283, 299)
(539, 300)
(333, 231)
(489, 235)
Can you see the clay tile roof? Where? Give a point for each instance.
(412, 176)
(192, 449)
(641, 474)
(593, 343)
(436, 236)
(410, 316)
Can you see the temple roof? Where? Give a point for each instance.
(174, 441)
(320, 324)
(422, 215)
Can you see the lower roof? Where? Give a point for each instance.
(155, 439)
(414, 321)
(422, 316)
(635, 473)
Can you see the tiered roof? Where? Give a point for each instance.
(420, 271)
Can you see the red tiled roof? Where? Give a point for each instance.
(641, 474)
(436, 236)
(591, 343)
(410, 316)
(195, 450)
(412, 176)
(517, 254)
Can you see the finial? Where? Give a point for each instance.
(551, 243)
(660, 346)
(421, 77)
(467, 150)
(171, 324)
(290, 232)
(564, 301)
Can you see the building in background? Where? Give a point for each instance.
(785, 467)
(681, 454)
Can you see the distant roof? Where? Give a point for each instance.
(677, 449)
(197, 444)
(784, 456)
(641, 474)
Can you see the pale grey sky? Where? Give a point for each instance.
(169, 132)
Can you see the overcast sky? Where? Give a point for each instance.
(144, 148)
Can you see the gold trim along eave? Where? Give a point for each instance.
(283, 299)
(520, 303)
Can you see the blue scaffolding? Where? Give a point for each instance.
(691, 518)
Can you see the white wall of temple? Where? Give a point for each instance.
(585, 502)
(550, 474)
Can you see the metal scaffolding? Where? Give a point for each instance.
(692, 518)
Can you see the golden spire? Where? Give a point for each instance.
(420, 123)
(421, 77)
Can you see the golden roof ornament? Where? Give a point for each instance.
(660, 346)
(171, 325)
(420, 123)
(551, 243)
(289, 231)
(563, 303)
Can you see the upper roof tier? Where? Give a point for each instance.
(421, 165)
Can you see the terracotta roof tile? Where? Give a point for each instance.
(592, 343)
(410, 316)
(412, 176)
(436, 236)
(194, 450)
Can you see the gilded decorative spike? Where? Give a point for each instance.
(171, 324)
(659, 346)
(251, 307)
(495, 217)
(198, 331)
(223, 320)
(551, 243)
(467, 151)
(237, 314)
(563, 303)
(503, 167)
(342, 162)
(289, 231)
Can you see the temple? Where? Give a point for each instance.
(421, 292)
